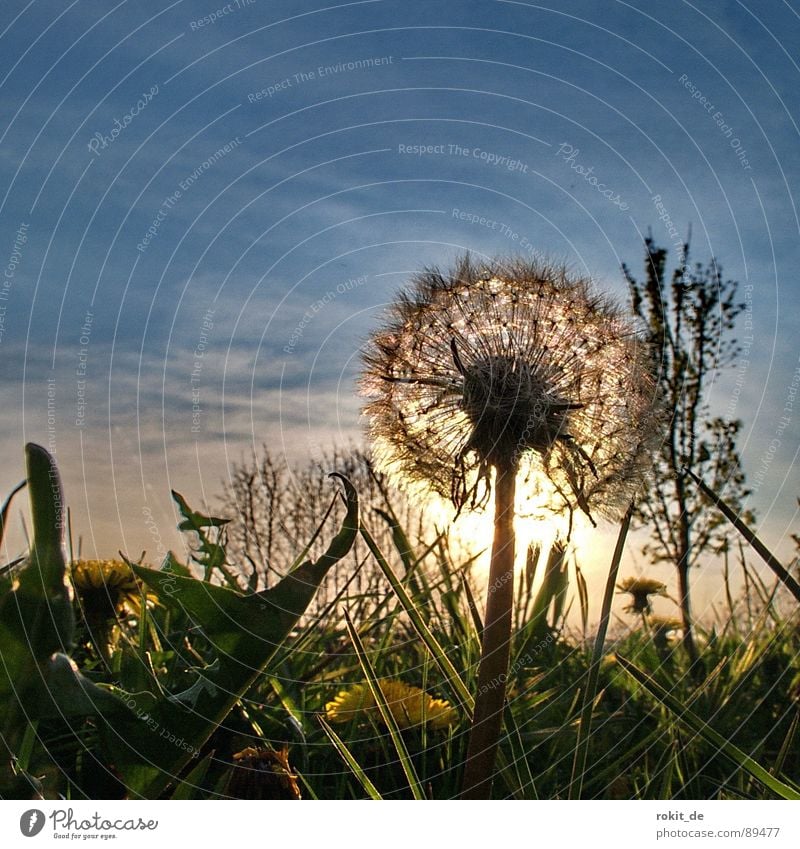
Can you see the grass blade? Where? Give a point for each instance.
(714, 738)
(787, 744)
(766, 555)
(438, 653)
(385, 711)
(590, 693)
(347, 757)
(188, 788)
(5, 508)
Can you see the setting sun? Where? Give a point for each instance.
(471, 532)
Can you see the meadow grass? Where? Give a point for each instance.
(200, 688)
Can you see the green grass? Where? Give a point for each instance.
(226, 668)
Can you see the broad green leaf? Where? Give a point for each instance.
(211, 553)
(172, 565)
(192, 520)
(63, 691)
(36, 617)
(246, 630)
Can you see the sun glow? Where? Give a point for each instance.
(535, 524)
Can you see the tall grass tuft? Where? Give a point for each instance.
(206, 691)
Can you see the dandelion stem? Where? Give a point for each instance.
(487, 718)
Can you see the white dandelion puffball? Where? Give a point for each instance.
(510, 364)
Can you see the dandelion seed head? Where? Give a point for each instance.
(511, 362)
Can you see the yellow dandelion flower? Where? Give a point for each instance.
(664, 632)
(409, 706)
(608, 661)
(640, 590)
(107, 589)
(666, 624)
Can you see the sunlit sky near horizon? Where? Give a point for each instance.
(204, 211)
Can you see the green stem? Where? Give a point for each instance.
(733, 517)
(487, 719)
(592, 679)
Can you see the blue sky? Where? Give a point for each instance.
(205, 210)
